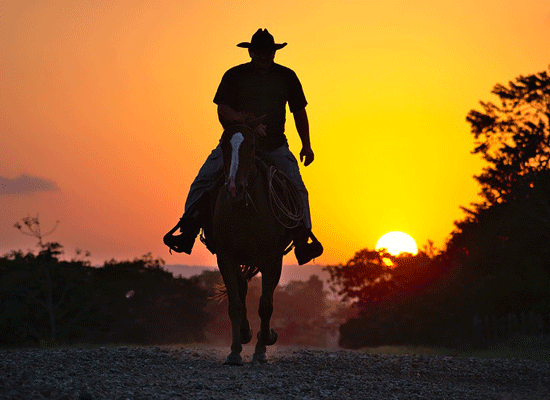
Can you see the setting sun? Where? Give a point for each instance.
(396, 243)
(127, 86)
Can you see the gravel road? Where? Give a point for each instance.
(197, 373)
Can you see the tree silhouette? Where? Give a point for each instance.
(513, 136)
(30, 226)
(46, 300)
(396, 298)
(508, 235)
(362, 280)
(122, 302)
(146, 304)
(496, 261)
(49, 252)
(371, 276)
(501, 249)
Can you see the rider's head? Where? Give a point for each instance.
(262, 48)
(261, 59)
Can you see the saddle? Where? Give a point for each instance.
(285, 200)
(286, 204)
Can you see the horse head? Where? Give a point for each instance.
(238, 144)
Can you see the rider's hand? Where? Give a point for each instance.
(306, 155)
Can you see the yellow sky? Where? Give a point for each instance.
(110, 103)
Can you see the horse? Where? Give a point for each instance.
(248, 239)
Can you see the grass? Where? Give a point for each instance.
(520, 347)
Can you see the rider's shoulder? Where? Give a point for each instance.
(238, 69)
(284, 71)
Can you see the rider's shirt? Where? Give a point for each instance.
(243, 88)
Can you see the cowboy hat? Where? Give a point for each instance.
(262, 40)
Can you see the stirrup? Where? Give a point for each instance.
(304, 251)
(182, 243)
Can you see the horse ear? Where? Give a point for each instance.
(257, 121)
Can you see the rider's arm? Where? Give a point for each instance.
(302, 126)
(228, 116)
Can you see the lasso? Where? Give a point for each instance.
(284, 199)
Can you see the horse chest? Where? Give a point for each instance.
(246, 230)
(242, 223)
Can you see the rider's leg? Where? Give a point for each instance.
(287, 163)
(208, 172)
(190, 222)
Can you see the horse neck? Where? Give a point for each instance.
(257, 184)
(256, 201)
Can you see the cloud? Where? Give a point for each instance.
(26, 184)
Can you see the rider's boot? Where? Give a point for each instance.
(189, 226)
(304, 250)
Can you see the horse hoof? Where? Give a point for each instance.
(259, 358)
(234, 359)
(246, 336)
(269, 341)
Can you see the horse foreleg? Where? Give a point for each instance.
(245, 331)
(266, 335)
(230, 272)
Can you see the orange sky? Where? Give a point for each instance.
(110, 104)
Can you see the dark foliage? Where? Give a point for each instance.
(497, 260)
(45, 300)
(371, 277)
(513, 137)
(503, 245)
(396, 304)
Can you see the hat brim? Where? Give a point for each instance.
(275, 46)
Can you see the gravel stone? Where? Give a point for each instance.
(175, 372)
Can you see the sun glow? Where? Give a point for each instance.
(396, 243)
(123, 80)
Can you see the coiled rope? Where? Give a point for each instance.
(284, 199)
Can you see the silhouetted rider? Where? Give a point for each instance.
(260, 87)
